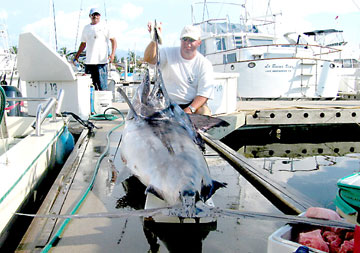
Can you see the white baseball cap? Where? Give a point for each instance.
(191, 32)
(94, 10)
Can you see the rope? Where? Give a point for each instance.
(89, 125)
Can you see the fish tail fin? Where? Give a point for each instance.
(207, 190)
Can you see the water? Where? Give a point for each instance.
(315, 177)
(288, 156)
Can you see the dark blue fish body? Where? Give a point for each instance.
(161, 147)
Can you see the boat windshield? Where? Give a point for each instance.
(348, 63)
(327, 37)
(224, 27)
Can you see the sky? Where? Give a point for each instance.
(128, 19)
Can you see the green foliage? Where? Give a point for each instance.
(63, 51)
(14, 49)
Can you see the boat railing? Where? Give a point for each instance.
(317, 51)
(53, 105)
(209, 20)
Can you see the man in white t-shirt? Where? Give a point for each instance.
(94, 38)
(187, 74)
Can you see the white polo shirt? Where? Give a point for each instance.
(96, 38)
(186, 79)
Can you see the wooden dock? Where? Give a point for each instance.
(282, 112)
(110, 190)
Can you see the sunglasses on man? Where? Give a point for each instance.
(187, 39)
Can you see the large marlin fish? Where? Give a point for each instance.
(161, 147)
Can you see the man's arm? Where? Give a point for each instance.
(113, 49)
(81, 48)
(150, 53)
(196, 103)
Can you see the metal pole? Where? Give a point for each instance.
(37, 122)
(60, 99)
(41, 116)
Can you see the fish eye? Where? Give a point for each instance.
(159, 94)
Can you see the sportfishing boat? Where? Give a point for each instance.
(347, 58)
(34, 140)
(8, 72)
(267, 69)
(349, 76)
(30, 148)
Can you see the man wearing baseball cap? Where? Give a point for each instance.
(95, 37)
(187, 74)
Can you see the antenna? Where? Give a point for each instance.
(52, 10)
(77, 31)
(56, 46)
(357, 6)
(105, 11)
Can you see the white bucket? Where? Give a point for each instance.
(102, 100)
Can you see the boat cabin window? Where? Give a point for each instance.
(260, 42)
(356, 63)
(348, 63)
(239, 42)
(229, 58)
(202, 48)
(220, 44)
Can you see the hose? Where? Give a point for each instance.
(56, 237)
(104, 116)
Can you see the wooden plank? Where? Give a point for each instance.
(41, 229)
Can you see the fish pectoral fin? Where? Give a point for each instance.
(207, 190)
(204, 122)
(151, 189)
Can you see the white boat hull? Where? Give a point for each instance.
(284, 78)
(24, 163)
